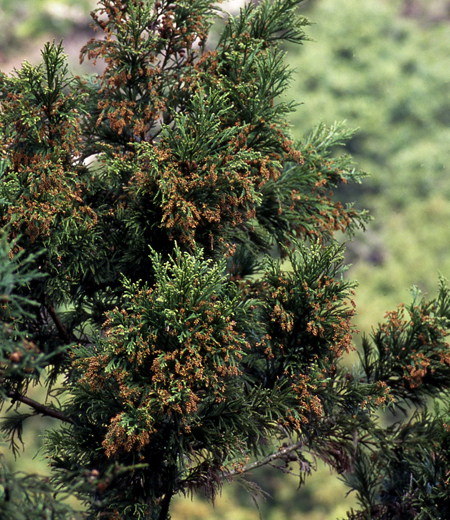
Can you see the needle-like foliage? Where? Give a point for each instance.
(169, 269)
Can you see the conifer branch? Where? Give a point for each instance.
(38, 407)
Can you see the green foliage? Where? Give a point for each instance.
(406, 479)
(410, 348)
(141, 207)
(29, 497)
(18, 356)
(43, 178)
(406, 476)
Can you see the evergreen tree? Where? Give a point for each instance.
(147, 212)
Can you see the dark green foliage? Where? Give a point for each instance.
(29, 497)
(410, 351)
(140, 208)
(406, 475)
(406, 478)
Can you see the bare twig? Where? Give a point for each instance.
(280, 454)
(38, 407)
(59, 325)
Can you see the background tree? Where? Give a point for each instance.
(140, 207)
(388, 80)
(23, 23)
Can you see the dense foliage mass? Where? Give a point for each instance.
(146, 214)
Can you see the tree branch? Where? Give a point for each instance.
(38, 407)
(59, 325)
(280, 454)
(165, 504)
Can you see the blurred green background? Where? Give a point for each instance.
(25, 26)
(383, 66)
